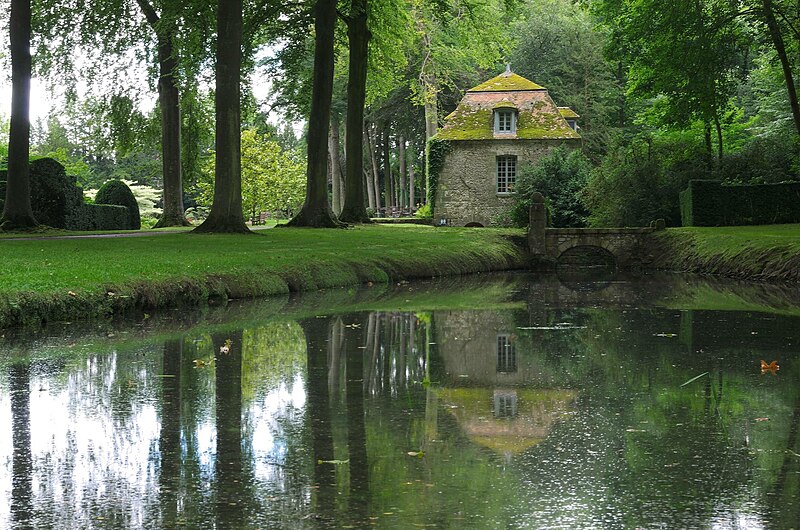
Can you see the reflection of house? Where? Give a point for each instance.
(507, 421)
(482, 347)
(498, 127)
(491, 375)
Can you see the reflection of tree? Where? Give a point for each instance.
(319, 414)
(169, 440)
(784, 505)
(22, 464)
(231, 481)
(355, 339)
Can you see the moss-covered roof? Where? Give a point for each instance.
(505, 104)
(506, 82)
(469, 122)
(567, 112)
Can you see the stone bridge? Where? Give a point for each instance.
(621, 244)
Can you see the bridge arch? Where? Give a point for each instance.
(596, 255)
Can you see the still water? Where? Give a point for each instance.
(507, 401)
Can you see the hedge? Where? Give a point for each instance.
(710, 203)
(99, 217)
(53, 194)
(116, 192)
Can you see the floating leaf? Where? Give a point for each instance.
(418, 454)
(334, 462)
(771, 367)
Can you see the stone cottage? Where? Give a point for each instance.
(498, 127)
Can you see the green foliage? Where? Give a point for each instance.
(116, 192)
(273, 180)
(560, 176)
(424, 212)
(436, 154)
(98, 217)
(709, 203)
(570, 64)
(54, 195)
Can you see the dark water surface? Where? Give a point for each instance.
(506, 401)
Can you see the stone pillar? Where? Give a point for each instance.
(538, 223)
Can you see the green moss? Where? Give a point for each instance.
(544, 126)
(505, 105)
(436, 153)
(468, 123)
(567, 112)
(506, 83)
(471, 123)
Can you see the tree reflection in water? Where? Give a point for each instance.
(552, 398)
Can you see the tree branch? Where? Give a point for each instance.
(149, 12)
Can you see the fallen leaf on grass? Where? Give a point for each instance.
(762, 419)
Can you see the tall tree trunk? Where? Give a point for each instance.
(387, 170)
(226, 210)
(412, 199)
(777, 42)
(316, 212)
(376, 184)
(370, 185)
(17, 211)
(358, 36)
(718, 127)
(169, 100)
(403, 195)
(335, 166)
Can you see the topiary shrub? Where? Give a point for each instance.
(118, 193)
(53, 194)
(99, 217)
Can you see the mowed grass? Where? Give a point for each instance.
(61, 265)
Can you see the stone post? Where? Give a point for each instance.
(538, 223)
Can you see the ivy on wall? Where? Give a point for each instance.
(435, 153)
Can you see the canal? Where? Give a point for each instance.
(496, 401)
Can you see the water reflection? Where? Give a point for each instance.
(521, 402)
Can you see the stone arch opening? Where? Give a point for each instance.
(587, 257)
(474, 224)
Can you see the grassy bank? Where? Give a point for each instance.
(68, 279)
(770, 252)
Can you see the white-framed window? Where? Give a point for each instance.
(506, 173)
(505, 121)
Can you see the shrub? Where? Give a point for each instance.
(98, 217)
(560, 176)
(116, 192)
(53, 194)
(424, 212)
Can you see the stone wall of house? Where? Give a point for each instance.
(467, 190)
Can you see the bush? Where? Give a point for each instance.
(560, 176)
(53, 194)
(99, 217)
(424, 212)
(116, 192)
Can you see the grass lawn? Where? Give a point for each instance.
(154, 269)
(770, 252)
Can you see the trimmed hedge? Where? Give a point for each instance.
(53, 194)
(116, 192)
(710, 203)
(99, 217)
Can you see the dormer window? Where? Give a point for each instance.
(505, 121)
